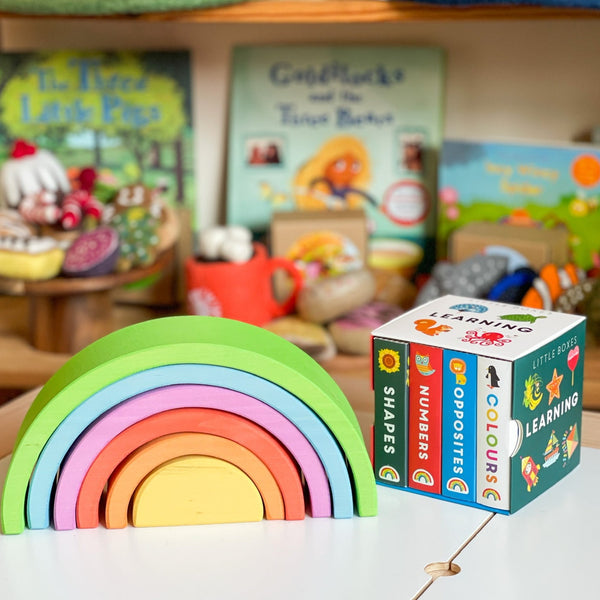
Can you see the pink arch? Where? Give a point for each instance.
(114, 421)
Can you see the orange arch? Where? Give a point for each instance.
(131, 472)
(193, 420)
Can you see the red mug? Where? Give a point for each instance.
(241, 291)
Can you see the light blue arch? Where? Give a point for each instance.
(38, 505)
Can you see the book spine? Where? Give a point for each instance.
(459, 425)
(425, 418)
(494, 398)
(390, 385)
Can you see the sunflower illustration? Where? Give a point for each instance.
(389, 360)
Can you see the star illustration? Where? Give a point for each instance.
(554, 387)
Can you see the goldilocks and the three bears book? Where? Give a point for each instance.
(330, 127)
(511, 400)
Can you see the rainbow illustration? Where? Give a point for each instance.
(148, 418)
(490, 494)
(389, 473)
(422, 476)
(455, 484)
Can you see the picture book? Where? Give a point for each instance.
(494, 408)
(390, 433)
(329, 127)
(425, 418)
(459, 425)
(538, 186)
(126, 114)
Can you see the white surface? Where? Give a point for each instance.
(548, 550)
(315, 558)
(530, 80)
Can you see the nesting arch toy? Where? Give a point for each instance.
(136, 375)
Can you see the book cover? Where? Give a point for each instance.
(329, 127)
(126, 114)
(547, 406)
(459, 425)
(494, 447)
(390, 433)
(425, 418)
(538, 186)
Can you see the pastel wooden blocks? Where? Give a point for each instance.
(174, 417)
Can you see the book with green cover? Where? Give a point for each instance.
(390, 425)
(537, 186)
(125, 114)
(548, 391)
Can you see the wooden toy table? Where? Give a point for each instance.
(546, 550)
(67, 314)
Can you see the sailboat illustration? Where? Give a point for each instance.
(552, 451)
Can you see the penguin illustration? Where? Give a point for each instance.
(493, 377)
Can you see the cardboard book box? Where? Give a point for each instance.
(477, 402)
(538, 245)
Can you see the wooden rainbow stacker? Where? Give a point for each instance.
(187, 420)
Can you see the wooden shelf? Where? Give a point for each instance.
(341, 11)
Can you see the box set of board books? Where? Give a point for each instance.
(477, 402)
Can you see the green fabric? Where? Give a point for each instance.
(104, 7)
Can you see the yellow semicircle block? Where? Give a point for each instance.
(196, 490)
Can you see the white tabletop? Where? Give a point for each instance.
(374, 557)
(548, 549)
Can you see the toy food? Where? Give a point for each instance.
(28, 172)
(81, 203)
(232, 243)
(332, 297)
(12, 224)
(33, 258)
(324, 253)
(40, 208)
(310, 337)
(394, 288)
(93, 253)
(400, 256)
(352, 332)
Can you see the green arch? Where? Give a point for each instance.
(178, 340)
